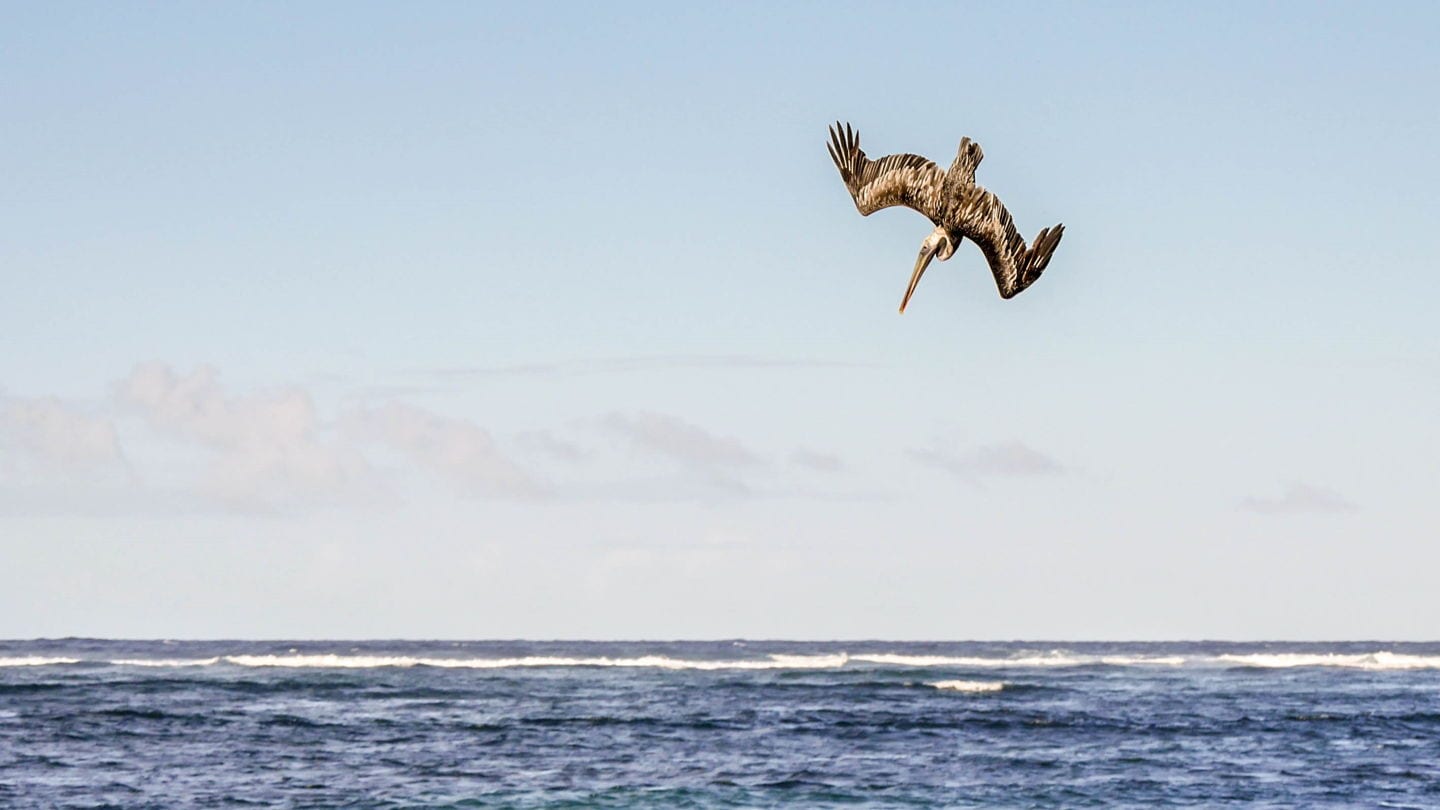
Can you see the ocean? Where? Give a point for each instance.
(391, 724)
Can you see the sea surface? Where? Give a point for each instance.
(122, 724)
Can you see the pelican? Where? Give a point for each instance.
(952, 201)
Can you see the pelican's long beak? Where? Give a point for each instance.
(927, 252)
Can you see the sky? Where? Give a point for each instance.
(350, 320)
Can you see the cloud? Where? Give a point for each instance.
(1003, 459)
(267, 448)
(681, 441)
(263, 452)
(44, 438)
(194, 443)
(713, 461)
(603, 365)
(456, 449)
(1299, 499)
(815, 460)
(547, 443)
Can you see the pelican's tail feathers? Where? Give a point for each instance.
(967, 158)
(1032, 264)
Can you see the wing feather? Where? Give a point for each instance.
(908, 180)
(984, 220)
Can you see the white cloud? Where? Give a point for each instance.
(681, 441)
(610, 365)
(44, 438)
(48, 434)
(268, 449)
(710, 460)
(1299, 498)
(816, 460)
(457, 449)
(547, 443)
(1011, 458)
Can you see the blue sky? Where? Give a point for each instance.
(494, 321)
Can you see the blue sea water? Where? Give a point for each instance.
(86, 723)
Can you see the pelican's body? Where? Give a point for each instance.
(951, 199)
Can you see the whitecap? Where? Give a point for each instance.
(648, 661)
(1143, 660)
(969, 686)
(894, 659)
(36, 661)
(1379, 660)
(165, 662)
(1053, 659)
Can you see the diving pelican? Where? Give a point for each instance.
(952, 201)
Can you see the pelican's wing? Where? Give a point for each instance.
(908, 180)
(986, 222)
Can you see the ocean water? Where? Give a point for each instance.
(127, 724)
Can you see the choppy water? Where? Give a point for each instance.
(717, 724)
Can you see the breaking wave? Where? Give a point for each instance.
(969, 686)
(165, 662)
(36, 661)
(1055, 659)
(646, 661)
(1379, 660)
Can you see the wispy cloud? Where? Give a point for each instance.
(61, 459)
(195, 443)
(680, 441)
(1300, 499)
(816, 460)
(44, 437)
(267, 448)
(457, 449)
(610, 365)
(1002, 459)
(199, 445)
(715, 461)
(547, 443)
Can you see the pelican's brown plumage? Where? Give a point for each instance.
(952, 201)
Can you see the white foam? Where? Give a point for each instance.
(832, 661)
(894, 659)
(776, 661)
(1143, 660)
(36, 661)
(1054, 659)
(165, 662)
(648, 661)
(969, 686)
(1379, 660)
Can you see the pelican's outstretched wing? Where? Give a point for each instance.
(983, 219)
(908, 180)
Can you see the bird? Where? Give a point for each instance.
(950, 199)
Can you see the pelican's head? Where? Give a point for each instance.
(938, 245)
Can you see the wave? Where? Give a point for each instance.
(1143, 660)
(1054, 659)
(165, 662)
(778, 661)
(969, 686)
(834, 661)
(1379, 660)
(36, 661)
